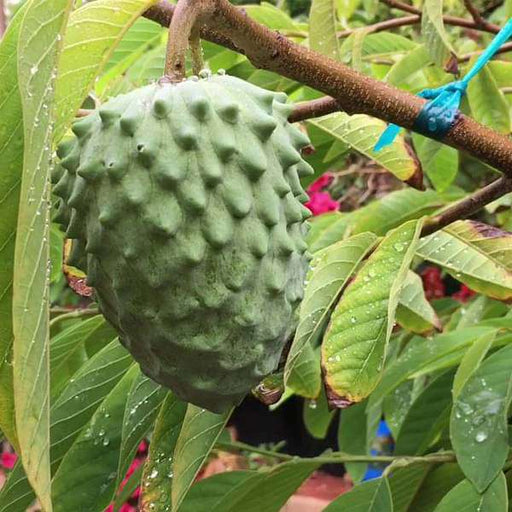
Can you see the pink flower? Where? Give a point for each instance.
(321, 202)
(8, 460)
(110, 508)
(136, 493)
(143, 447)
(127, 508)
(464, 294)
(133, 466)
(320, 183)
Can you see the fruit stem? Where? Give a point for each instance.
(196, 52)
(182, 29)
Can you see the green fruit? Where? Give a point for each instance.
(184, 201)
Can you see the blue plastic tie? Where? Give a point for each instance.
(439, 115)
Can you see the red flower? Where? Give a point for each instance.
(433, 283)
(8, 460)
(321, 202)
(320, 183)
(143, 447)
(127, 508)
(464, 294)
(136, 493)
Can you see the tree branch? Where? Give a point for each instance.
(468, 205)
(384, 25)
(449, 20)
(341, 457)
(3, 21)
(353, 92)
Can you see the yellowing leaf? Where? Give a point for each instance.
(355, 345)
(361, 133)
(474, 253)
(329, 273)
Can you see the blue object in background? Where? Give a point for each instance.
(383, 445)
(440, 114)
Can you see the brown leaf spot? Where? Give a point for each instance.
(488, 231)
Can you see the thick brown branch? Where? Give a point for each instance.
(353, 92)
(469, 205)
(186, 17)
(449, 20)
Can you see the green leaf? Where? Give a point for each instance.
(143, 35)
(83, 396)
(488, 104)
(205, 494)
(478, 426)
(317, 416)
(404, 484)
(330, 271)
(352, 438)
(465, 497)
(437, 483)
(471, 361)
(68, 350)
(434, 34)
(327, 229)
(270, 16)
(439, 162)
(11, 156)
(158, 469)
(86, 478)
(40, 32)
(406, 68)
(267, 490)
(322, 28)
(394, 209)
(474, 253)
(427, 417)
(71, 411)
(355, 345)
(372, 496)
(361, 133)
(199, 432)
(422, 354)
(142, 407)
(56, 251)
(414, 311)
(93, 32)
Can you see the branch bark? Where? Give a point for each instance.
(349, 90)
(468, 205)
(3, 20)
(449, 20)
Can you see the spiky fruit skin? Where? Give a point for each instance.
(186, 209)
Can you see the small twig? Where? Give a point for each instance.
(477, 17)
(507, 47)
(448, 20)
(340, 457)
(469, 205)
(66, 314)
(384, 25)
